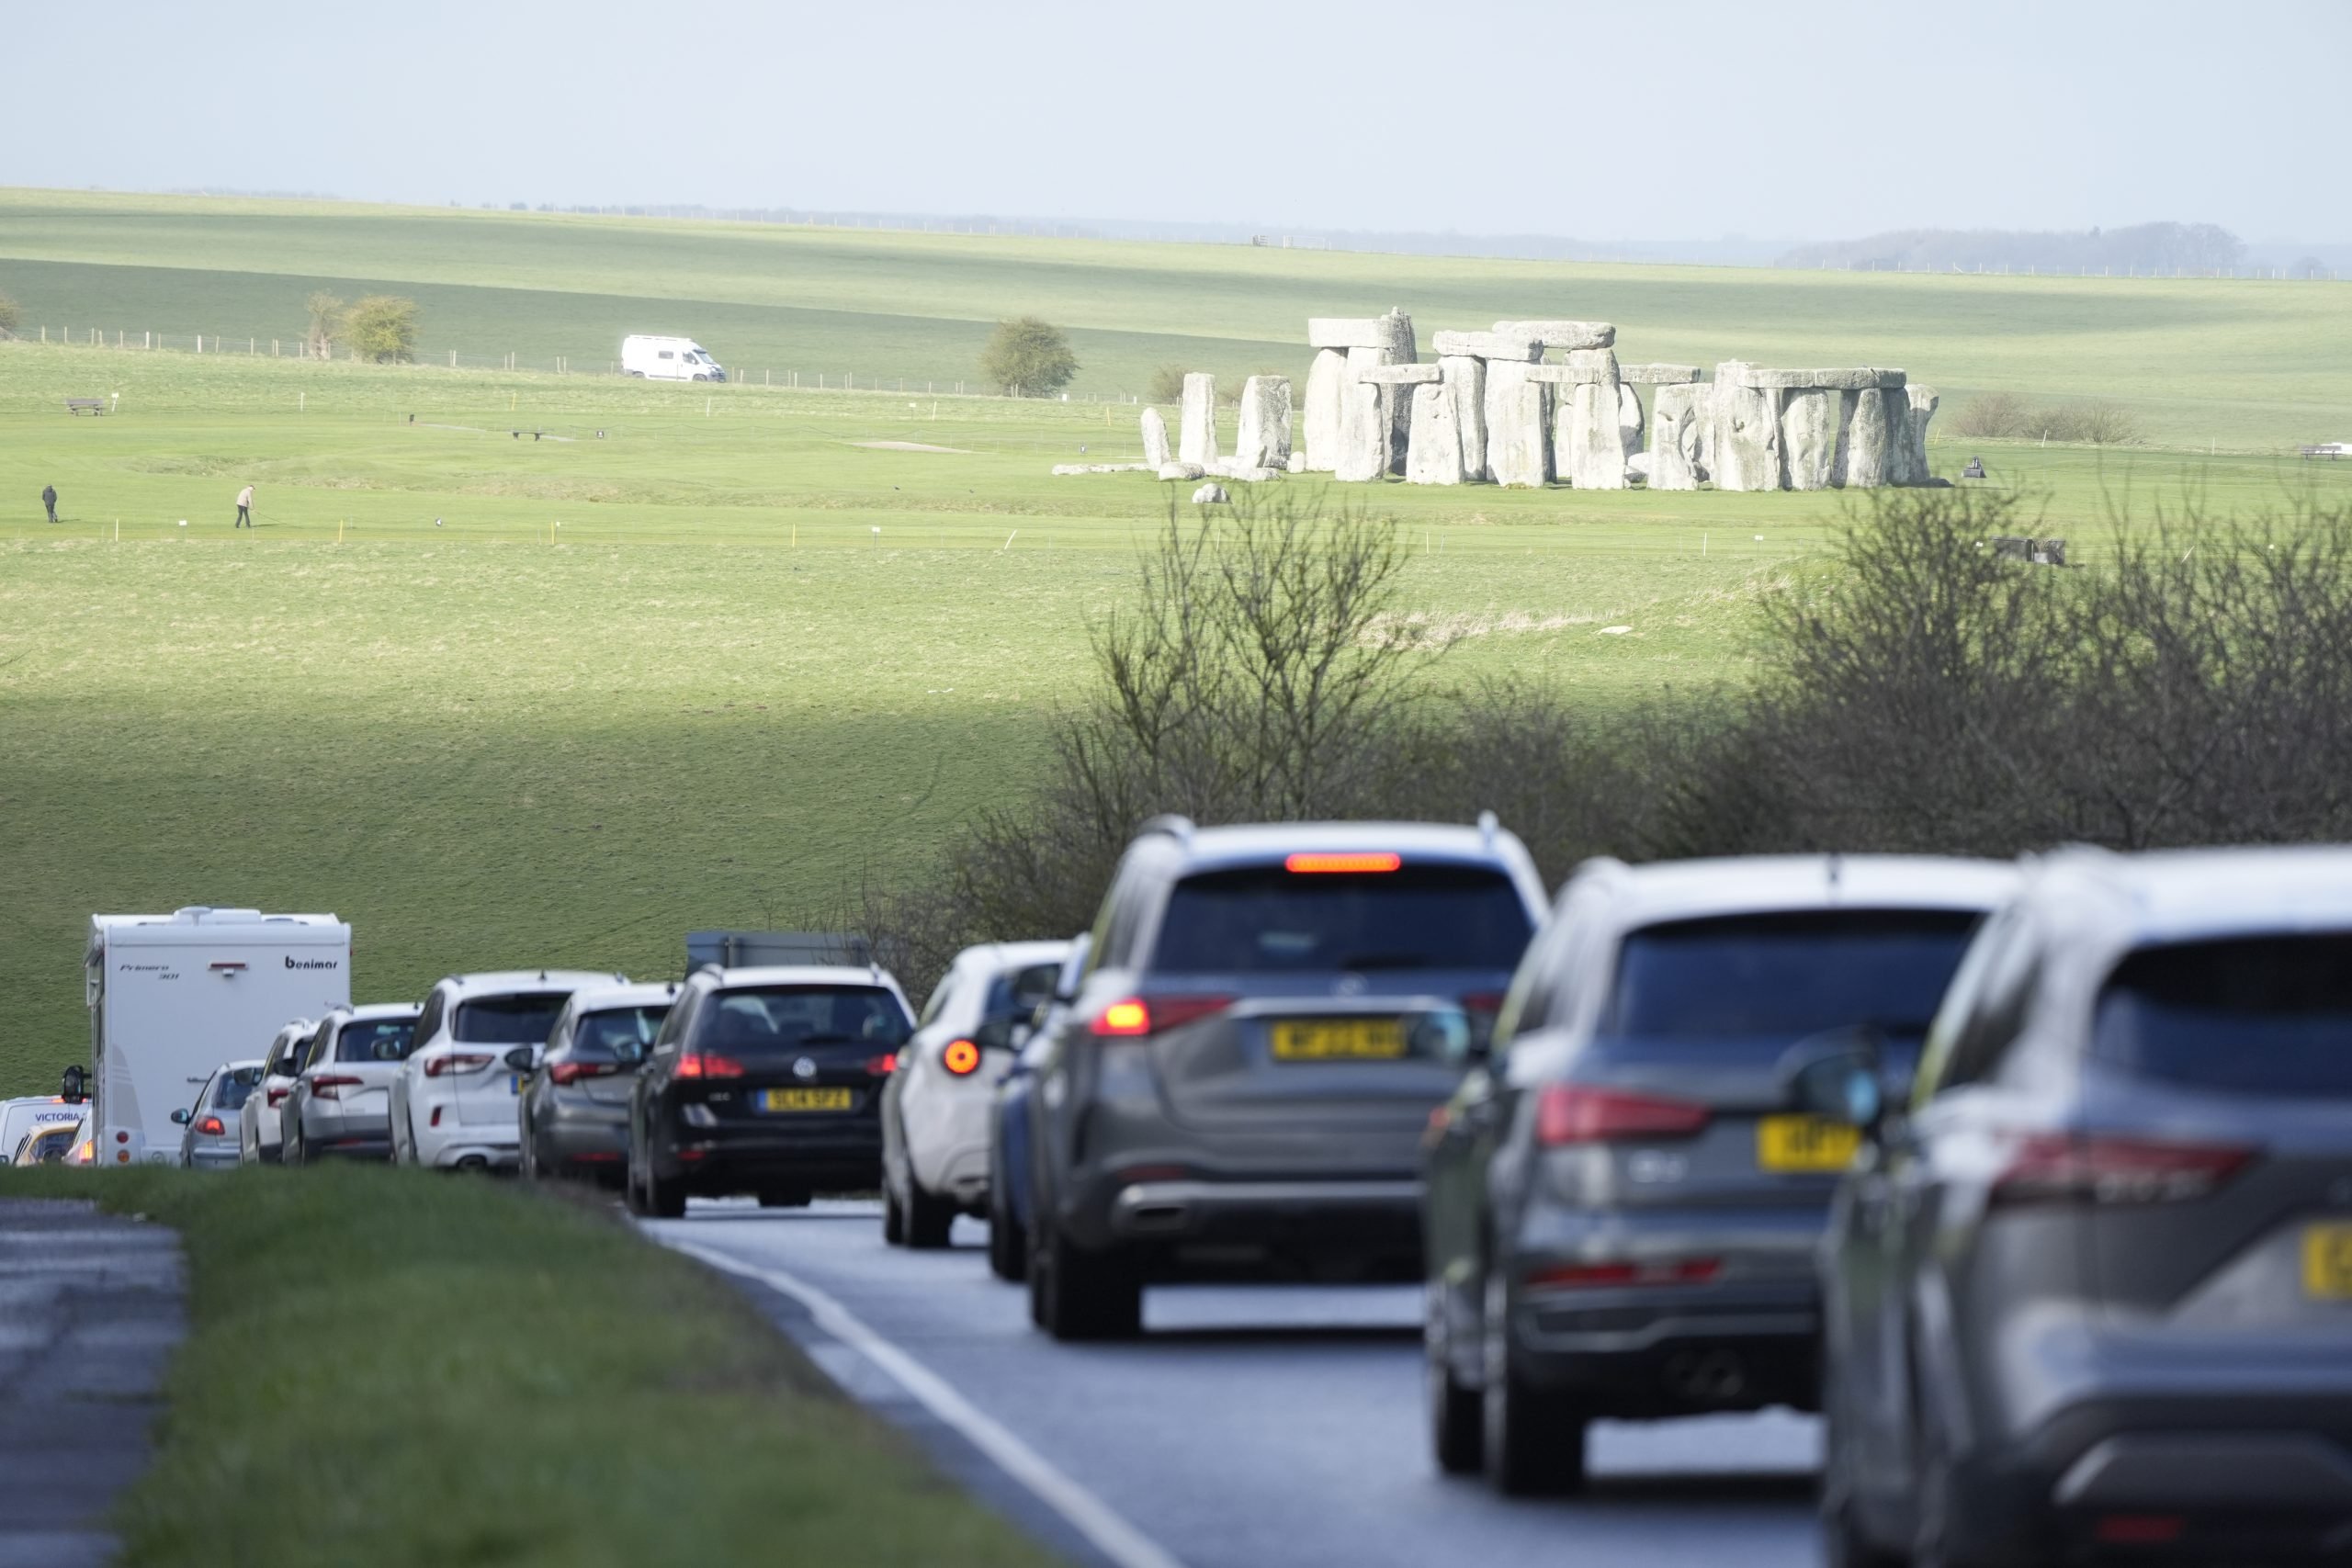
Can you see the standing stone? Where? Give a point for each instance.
(1155, 439)
(1591, 450)
(1629, 420)
(1809, 435)
(1297, 461)
(1367, 421)
(1264, 441)
(1323, 383)
(1196, 440)
(1434, 454)
(1746, 432)
(1519, 439)
(1402, 350)
(1677, 437)
(1465, 394)
(1866, 439)
(1921, 407)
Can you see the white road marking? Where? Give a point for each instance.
(1084, 1512)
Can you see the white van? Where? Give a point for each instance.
(171, 997)
(669, 359)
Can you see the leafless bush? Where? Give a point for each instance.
(1167, 385)
(1999, 415)
(1991, 415)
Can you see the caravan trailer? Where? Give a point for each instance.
(171, 997)
(669, 359)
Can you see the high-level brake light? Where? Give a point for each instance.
(1577, 1113)
(1343, 861)
(1139, 1016)
(961, 1057)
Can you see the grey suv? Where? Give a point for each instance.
(1625, 1199)
(2091, 1293)
(1267, 1018)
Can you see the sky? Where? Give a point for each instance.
(1636, 119)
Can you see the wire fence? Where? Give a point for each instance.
(143, 340)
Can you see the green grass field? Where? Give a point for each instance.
(429, 1370)
(658, 670)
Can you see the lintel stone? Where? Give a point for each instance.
(1563, 335)
(1657, 375)
(1350, 332)
(1525, 348)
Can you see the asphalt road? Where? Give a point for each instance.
(1250, 1426)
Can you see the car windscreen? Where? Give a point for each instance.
(523, 1020)
(2248, 1015)
(374, 1040)
(599, 1035)
(1261, 919)
(1786, 974)
(785, 1018)
(229, 1090)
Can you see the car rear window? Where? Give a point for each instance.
(785, 1018)
(1269, 920)
(229, 1090)
(2255, 1015)
(523, 1020)
(1786, 974)
(374, 1040)
(1016, 993)
(600, 1034)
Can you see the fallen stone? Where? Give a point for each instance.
(1657, 375)
(1298, 462)
(1401, 375)
(1865, 439)
(1323, 380)
(1250, 473)
(1678, 426)
(1591, 453)
(1196, 439)
(1466, 386)
(1744, 432)
(1264, 439)
(1433, 455)
(1155, 438)
(1367, 419)
(1180, 470)
(1629, 419)
(1563, 335)
(1638, 466)
(1832, 379)
(1210, 495)
(1921, 407)
(1809, 435)
(1487, 346)
(1106, 467)
(1349, 331)
(1519, 439)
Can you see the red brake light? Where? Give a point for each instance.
(1139, 1016)
(709, 1065)
(1488, 1002)
(882, 1066)
(455, 1063)
(275, 1095)
(962, 1057)
(2063, 1168)
(210, 1127)
(1575, 1113)
(330, 1086)
(1382, 860)
(1601, 1275)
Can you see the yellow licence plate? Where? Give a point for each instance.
(1795, 1143)
(1340, 1039)
(2327, 1262)
(804, 1099)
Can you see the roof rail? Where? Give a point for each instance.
(1176, 824)
(1490, 827)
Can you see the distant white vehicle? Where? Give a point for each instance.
(171, 997)
(669, 359)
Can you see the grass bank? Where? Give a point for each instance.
(383, 1369)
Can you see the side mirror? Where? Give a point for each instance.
(629, 1052)
(180, 1118)
(73, 1086)
(1844, 1086)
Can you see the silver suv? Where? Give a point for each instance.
(1268, 1016)
(2091, 1293)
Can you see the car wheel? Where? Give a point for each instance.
(1843, 1543)
(1077, 1294)
(1534, 1438)
(664, 1200)
(893, 1220)
(929, 1219)
(632, 1194)
(784, 1198)
(1008, 1248)
(1456, 1415)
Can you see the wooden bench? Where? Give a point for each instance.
(86, 405)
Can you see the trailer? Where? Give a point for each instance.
(171, 997)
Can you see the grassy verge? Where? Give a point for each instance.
(382, 1369)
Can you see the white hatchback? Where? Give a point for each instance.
(935, 1109)
(478, 1037)
(259, 1119)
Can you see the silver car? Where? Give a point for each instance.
(341, 1103)
(1626, 1199)
(2090, 1294)
(210, 1139)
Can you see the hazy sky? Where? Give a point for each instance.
(1638, 120)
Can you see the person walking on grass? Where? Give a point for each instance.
(244, 508)
(49, 499)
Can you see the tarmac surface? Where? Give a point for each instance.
(90, 1310)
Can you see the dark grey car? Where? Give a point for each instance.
(573, 1110)
(1268, 1016)
(1626, 1199)
(2090, 1295)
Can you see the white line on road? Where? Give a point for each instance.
(1085, 1512)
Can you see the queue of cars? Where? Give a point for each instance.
(2035, 1179)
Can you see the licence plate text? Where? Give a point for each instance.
(804, 1099)
(1806, 1143)
(1340, 1039)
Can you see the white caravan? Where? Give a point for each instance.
(171, 997)
(669, 359)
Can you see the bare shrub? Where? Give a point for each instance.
(1167, 385)
(2005, 415)
(2104, 423)
(1991, 415)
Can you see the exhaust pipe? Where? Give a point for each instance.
(1707, 1377)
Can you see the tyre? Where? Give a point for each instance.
(894, 1219)
(526, 1157)
(1844, 1544)
(929, 1219)
(632, 1194)
(1534, 1441)
(1456, 1414)
(1008, 1248)
(1075, 1294)
(664, 1200)
(784, 1198)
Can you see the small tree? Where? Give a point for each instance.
(1167, 385)
(381, 329)
(326, 316)
(1029, 358)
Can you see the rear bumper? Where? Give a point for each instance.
(1368, 1227)
(728, 1160)
(213, 1157)
(585, 1133)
